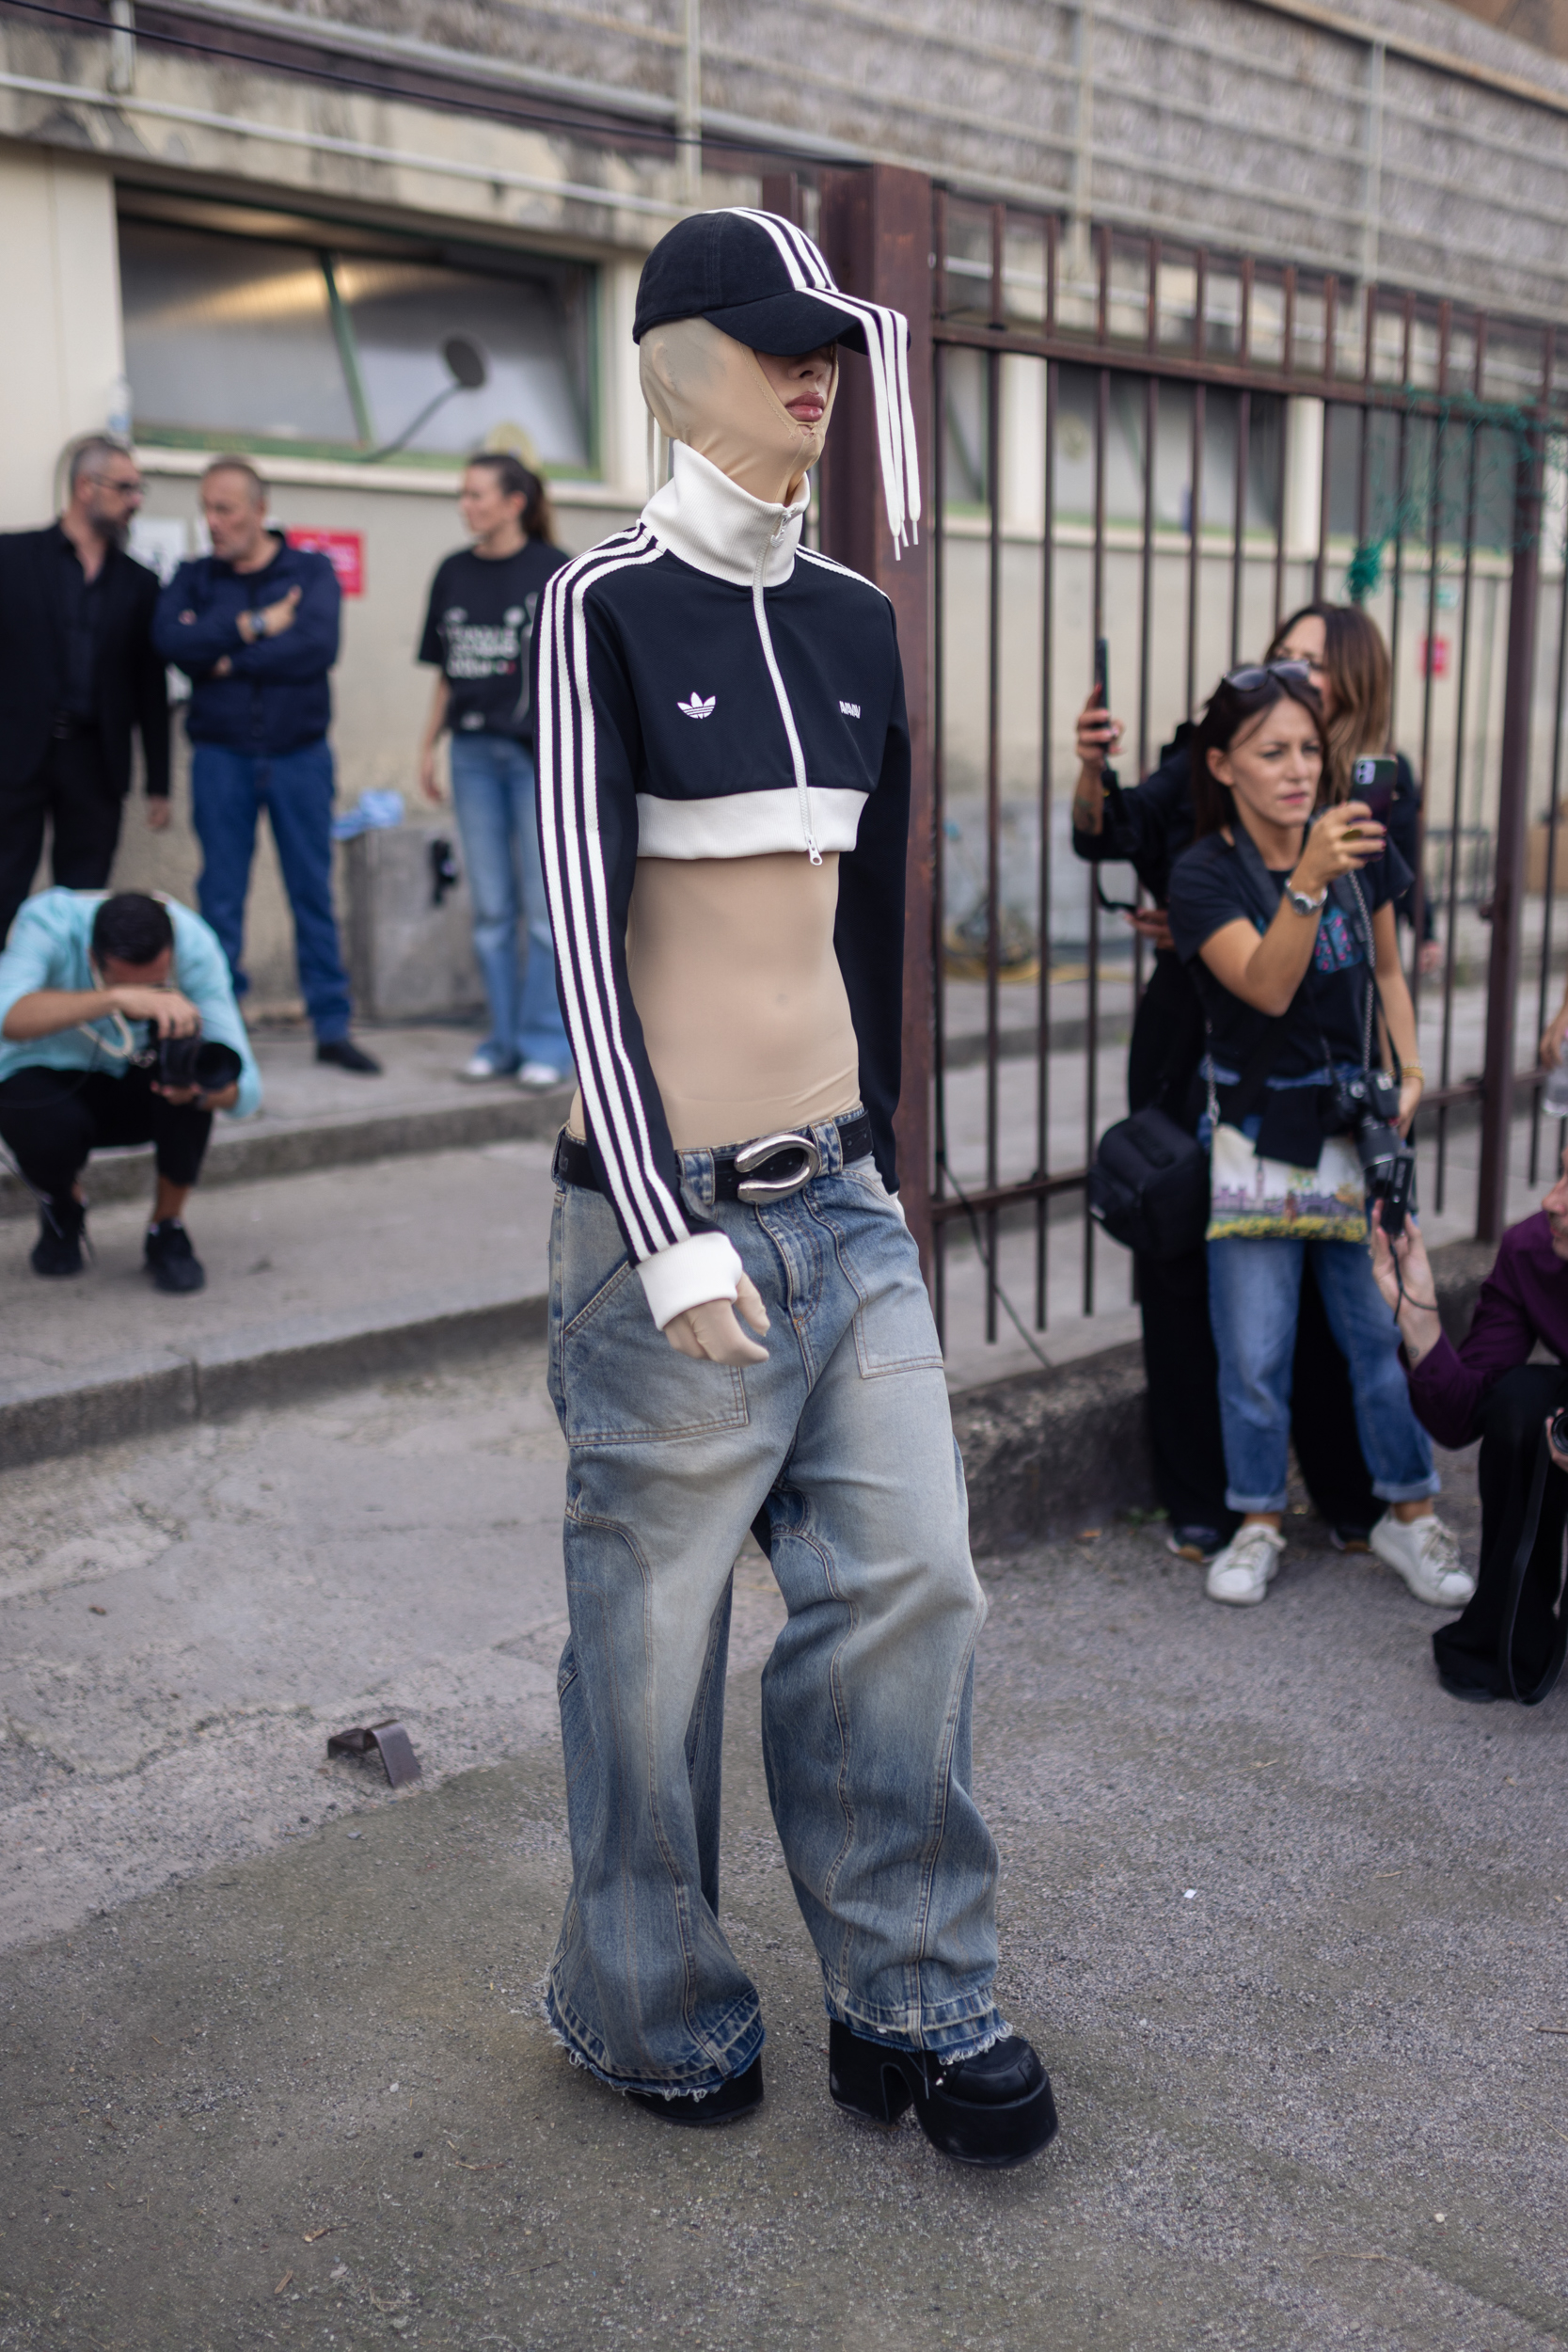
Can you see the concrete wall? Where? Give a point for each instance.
(61, 356)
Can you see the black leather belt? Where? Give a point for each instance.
(769, 1169)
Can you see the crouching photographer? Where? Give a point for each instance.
(117, 1025)
(1510, 1639)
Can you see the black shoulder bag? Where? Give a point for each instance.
(1149, 1185)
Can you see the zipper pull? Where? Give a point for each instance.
(815, 852)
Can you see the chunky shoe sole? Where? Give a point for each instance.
(733, 2099)
(868, 2079)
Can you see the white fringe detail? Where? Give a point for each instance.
(887, 342)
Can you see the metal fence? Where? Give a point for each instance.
(1171, 448)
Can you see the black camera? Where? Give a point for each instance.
(180, 1063)
(1368, 1106)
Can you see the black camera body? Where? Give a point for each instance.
(182, 1062)
(1366, 1108)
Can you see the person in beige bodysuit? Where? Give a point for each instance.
(731, 959)
(739, 1333)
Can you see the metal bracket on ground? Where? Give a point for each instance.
(390, 1742)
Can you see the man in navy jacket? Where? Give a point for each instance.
(254, 627)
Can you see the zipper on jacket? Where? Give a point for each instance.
(796, 756)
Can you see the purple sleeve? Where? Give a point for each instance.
(1450, 1384)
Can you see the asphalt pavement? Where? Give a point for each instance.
(1290, 1925)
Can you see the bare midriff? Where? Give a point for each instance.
(743, 1005)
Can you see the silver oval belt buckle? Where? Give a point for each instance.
(752, 1158)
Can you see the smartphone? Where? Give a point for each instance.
(1102, 680)
(1374, 782)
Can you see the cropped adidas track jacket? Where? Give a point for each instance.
(707, 687)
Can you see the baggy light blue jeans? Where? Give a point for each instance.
(495, 792)
(844, 1437)
(1254, 1294)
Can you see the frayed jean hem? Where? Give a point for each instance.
(953, 2030)
(586, 2050)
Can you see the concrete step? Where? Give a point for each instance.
(336, 1274)
(314, 1117)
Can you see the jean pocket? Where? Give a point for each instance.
(623, 1383)
(893, 1327)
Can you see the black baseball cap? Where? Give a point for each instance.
(744, 273)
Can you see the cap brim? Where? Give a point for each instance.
(789, 324)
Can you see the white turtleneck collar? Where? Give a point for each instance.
(714, 525)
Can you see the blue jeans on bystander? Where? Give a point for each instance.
(228, 791)
(1254, 1292)
(844, 1439)
(493, 786)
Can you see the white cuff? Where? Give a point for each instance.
(689, 1274)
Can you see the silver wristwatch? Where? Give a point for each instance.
(1303, 904)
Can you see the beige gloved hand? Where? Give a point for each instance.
(712, 1334)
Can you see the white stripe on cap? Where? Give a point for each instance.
(887, 347)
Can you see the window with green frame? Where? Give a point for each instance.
(261, 331)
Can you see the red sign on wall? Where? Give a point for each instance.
(346, 550)
(1432, 656)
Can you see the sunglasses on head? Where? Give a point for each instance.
(1248, 681)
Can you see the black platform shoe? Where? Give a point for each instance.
(995, 2109)
(733, 2099)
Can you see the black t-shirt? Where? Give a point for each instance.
(477, 632)
(1213, 883)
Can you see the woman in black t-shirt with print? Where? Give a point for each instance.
(1274, 908)
(477, 631)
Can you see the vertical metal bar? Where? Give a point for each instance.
(1320, 561)
(1288, 361)
(939, 801)
(993, 819)
(1402, 494)
(1091, 1006)
(1043, 1030)
(1434, 526)
(1364, 459)
(1331, 330)
(1194, 541)
(1152, 433)
(1244, 461)
(875, 237)
(1238, 549)
(1553, 810)
(1507, 883)
(1461, 714)
(1053, 233)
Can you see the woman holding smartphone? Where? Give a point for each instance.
(1283, 907)
(1348, 664)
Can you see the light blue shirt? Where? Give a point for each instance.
(50, 946)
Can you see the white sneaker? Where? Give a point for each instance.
(1426, 1553)
(479, 1067)
(538, 1075)
(1244, 1572)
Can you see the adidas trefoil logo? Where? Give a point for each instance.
(699, 706)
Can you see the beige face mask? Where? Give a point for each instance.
(709, 391)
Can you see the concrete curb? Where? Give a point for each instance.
(275, 1364)
(244, 1152)
(1041, 1450)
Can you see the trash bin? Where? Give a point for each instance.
(410, 925)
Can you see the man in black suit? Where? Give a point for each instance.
(78, 670)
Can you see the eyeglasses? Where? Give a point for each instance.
(132, 488)
(1248, 681)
